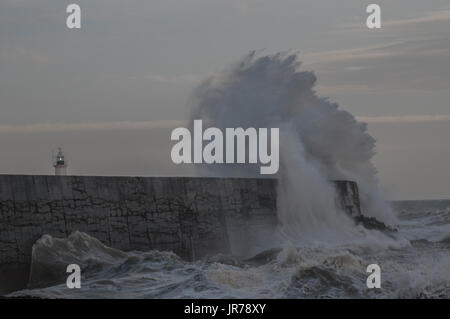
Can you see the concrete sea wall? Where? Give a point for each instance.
(189, 216)
(193, 217)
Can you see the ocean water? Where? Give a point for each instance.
(415, 263)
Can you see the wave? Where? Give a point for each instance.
(314, 271)
(319, 142)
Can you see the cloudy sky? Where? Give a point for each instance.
(111, 92)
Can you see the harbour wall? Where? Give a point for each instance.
(193, 217)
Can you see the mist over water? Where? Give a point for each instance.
(318, 142)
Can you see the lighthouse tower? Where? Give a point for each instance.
(60, 164)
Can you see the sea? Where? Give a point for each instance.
(414, 263)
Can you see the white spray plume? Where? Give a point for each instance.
(318, 141)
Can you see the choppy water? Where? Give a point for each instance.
(415, 264)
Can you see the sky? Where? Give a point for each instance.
(111, 92)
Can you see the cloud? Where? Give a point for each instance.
(19, 55)
(363, 53)
(19, 3)
(145, 125)
(417, 47)
(90, 126)
(176, 79)
(404, 119)
(436, 16)
(419, 65)
(416, 58)
(432, 17)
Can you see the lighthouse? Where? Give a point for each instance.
(60, 164)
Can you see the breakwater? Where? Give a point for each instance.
(192, 217)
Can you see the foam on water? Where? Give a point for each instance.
(417, 269)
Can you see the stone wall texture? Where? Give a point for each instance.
(189, 216)
(193, 217)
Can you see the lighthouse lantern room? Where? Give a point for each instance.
(60, 164)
